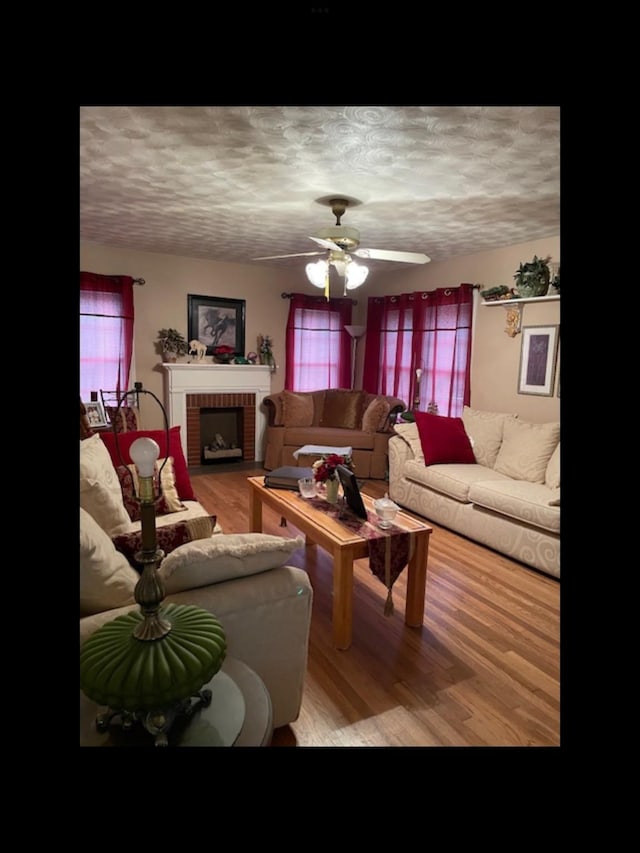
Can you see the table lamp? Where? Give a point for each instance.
(148, 665)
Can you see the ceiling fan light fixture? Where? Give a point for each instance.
(355, 276)
(317, 273)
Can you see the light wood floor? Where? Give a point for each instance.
(484, 669)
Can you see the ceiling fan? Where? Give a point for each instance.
(340, 243)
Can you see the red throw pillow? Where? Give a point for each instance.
(168, 537)
(126, 439)
(443, 440)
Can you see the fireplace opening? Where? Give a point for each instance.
(221, 431)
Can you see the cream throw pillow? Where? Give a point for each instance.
(409, 433)
(100, 492)
(224, 557)
(552, 474)
(485, 429)
(106, 578)
(526, 449)
(168, 480)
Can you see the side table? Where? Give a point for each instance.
(243, 692)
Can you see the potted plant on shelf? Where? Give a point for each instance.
(172, 344)
(532, 278)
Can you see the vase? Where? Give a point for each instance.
(331, 495)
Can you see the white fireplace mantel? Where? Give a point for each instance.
(183, 379)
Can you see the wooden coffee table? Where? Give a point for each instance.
(345, 546)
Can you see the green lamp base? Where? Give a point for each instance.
(152, 681)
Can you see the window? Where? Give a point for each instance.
(106, 332)
(430, 330)
(318, 349)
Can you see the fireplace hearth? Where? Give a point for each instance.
(221, 432)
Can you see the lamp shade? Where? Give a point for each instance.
(317, 273)
(356, 331)
(356, 274)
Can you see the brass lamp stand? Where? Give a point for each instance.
(148, 666)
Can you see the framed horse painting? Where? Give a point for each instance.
(216, 322)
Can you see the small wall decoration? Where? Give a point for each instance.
(216, 322)
(538, 360)
(96, 414)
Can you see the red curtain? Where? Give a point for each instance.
(106, 331)
(388, 340)
(318, 349)
(430, 330)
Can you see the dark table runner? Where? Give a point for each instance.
(389, 550)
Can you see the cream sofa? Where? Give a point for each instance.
(509, 499)
(264, 604)
(332, 417)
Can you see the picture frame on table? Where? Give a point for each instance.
(216, 321)
(96, 414)
(538, 353)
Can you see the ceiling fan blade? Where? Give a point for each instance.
(297, 255)
(384, 255)
(326, 243)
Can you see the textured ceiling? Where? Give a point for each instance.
(235, 183)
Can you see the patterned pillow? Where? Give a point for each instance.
(124, 420)
(168, 537)
(168, 500)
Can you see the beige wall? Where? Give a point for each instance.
(162, 302)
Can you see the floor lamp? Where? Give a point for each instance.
(356, 333)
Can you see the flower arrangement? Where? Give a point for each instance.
(223, 354)
(325, 468)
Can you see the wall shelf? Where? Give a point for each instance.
(553, 298)
(514, 310)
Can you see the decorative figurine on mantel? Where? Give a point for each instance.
(200, 350)
(265, 348)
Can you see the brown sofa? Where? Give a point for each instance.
(332, 417)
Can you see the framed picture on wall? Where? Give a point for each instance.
(538, 360)
(216, 322)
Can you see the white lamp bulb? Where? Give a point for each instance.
(144, 452)
(317, 273)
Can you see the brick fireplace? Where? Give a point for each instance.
(192, 387)
(196, 402)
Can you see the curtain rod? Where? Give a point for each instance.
(139, 281)
(290, 295)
